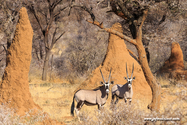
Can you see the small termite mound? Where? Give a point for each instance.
(174, 66)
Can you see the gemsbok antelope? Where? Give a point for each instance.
(123, 91)
(96, 96)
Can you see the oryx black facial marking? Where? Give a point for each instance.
(96, 96)
(124, 91)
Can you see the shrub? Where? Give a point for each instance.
(128, 114)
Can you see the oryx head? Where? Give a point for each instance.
(129, 79)
(106, 84)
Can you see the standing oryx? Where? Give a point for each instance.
(97, 96)
(124, 91)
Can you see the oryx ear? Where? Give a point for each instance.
(112, 82)
(101, 83)
(125, 78)
(133, 78)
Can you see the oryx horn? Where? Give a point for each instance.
(102, 76)
(127, 71)
(132, 70)
(109, 75)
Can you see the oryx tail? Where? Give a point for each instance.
(73, 106)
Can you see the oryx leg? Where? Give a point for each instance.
(117, 99)
(100, 106)
(113, 97)
(78, 107)
(125, 99)
(130, 101)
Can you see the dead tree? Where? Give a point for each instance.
(45, 18)
(135, 15)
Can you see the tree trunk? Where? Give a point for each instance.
(47, 54)
(155, 87)
(51, 66)
(45, 67)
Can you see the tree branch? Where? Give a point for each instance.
(139, 33)
(124, 10)
(86, 9)
(116, 11)
(136, 57)
(60, 36)
(70, 5)
(59, 11)
(121, 35)
(55, 4)
(144, 17)
(5, 48)
(36, 17)
(45, 15)
(55, 40)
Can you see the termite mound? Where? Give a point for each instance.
(116, 58)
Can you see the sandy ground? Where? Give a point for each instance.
(56, 98)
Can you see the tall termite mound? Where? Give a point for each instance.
(14, 88)
(116, 58)
(174, 66)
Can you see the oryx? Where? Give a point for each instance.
(124, 91)
(96, 96)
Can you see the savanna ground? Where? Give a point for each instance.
(55, 98)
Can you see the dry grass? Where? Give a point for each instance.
(8, 117)
(125, 114)
(56, 99)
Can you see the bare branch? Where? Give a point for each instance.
(1, 59)
(116, 11)
(139, 34)
(31, 7)
(49, 2)
(60, 36)
(45, 15)
(5, 48)
(59, 11)
(55, 4)
(71, 3)
(124, 9)
(144, 16)
(86, 9)
(55, 40)
(136, 57)
(100, 25)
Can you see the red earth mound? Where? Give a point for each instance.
(116, 58)
(174, 66)
(14, 88)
